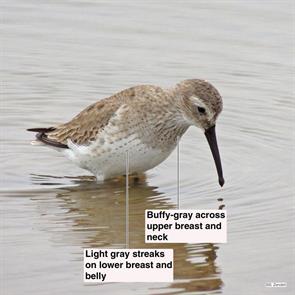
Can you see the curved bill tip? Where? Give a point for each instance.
(211, 138)
(221, 181)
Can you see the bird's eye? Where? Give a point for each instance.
(201, 110)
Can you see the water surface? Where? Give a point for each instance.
(60, 56)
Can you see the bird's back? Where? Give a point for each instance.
(85, 126)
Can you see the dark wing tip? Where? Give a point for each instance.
(42, 136)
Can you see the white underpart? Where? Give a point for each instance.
(106, 156)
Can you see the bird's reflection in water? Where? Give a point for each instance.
(96, 213)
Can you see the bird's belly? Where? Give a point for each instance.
(109, 159)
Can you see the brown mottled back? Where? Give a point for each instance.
(84, 127)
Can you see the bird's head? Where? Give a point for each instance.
(201, 105)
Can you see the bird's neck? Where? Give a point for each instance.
(171, 124)
(178, 99)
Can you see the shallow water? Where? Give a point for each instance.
(60, 56)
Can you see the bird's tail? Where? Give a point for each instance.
(42, 138)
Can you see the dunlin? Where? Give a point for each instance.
(144, 120)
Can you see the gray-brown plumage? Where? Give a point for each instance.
(151, 118)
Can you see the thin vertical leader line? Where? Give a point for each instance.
(178, 185)
(127, 199)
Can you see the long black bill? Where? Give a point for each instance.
(211, 137)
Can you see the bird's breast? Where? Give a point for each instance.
(106, 156)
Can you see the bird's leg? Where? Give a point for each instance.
(138, 178)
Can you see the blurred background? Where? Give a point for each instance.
(57, 57)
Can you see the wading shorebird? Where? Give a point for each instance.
(145, 120)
